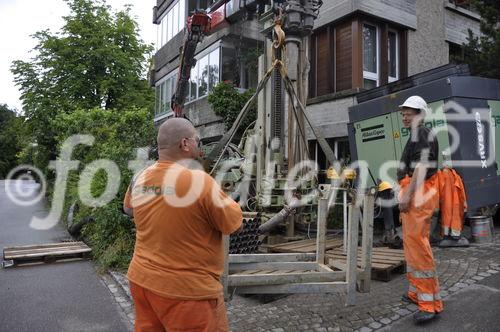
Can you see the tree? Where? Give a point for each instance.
(96, 60)
(117, 135)
(482, 52)
(10, 139)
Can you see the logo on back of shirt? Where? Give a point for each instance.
(153, 190)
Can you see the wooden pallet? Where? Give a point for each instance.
(44, 253)
(385, 261)
(304, 246)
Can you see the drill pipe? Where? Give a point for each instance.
(279, 217)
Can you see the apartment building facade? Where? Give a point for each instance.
(222, 56)
(356, 45)
(361, 44)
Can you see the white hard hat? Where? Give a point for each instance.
(416, 102)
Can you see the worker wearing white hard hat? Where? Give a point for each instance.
(418, 198)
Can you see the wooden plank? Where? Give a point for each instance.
(343, 258)
(278, 257)
(295, 288)
(308, 245)
(45, 254)
(389, 251)
(46, 245)
(376, 265)
(375, 257)
(283, 278)
(381, 250)
(378, 255)
(272, 266)
(324, 268)
(47, 250)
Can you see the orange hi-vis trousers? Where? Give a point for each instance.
(421, 269)
(155, 313)
(453, 202)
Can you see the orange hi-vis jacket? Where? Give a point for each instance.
(453, 202)
(180, 216)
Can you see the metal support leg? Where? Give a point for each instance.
(225, 274)
(367, 241)
(352, 254)
(321, 228)
(344, 209)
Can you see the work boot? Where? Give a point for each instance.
(423, 316)
(453, 241)
(388, 236)
(446, 242)
(407, 299)
(460, 241)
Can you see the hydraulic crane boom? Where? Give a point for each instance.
(200, 24)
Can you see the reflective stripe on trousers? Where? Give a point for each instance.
(450, 231)
(423, 274)
(428, 297)
(412, 289)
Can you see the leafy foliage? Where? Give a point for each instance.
(117, 136)
(227, 103)
(482, 52)
(97, 60)
(11, 139)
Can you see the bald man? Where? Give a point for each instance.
(180, 216)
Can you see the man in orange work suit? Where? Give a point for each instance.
(180, 216)
(418, 199)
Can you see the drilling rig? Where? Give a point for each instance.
(276, 150)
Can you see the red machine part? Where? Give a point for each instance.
(199, 25)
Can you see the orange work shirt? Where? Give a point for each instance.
(180, 216)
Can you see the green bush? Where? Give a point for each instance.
(227, 103)
(117, 135)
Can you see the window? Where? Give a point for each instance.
(229, 66)
(213, 71)
(205, 75)
(370, 56)
(193, 83)
(462, 3)
(164, 91)
(393, 55)
(198, 4)
(171, 23)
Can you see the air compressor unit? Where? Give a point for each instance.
(464, 114)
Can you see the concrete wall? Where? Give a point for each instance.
(204, 119)
(402, 12)
(457, 23)
(330, 117)
(427, 47)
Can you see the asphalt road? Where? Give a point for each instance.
(473, 309)
(67, 296)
